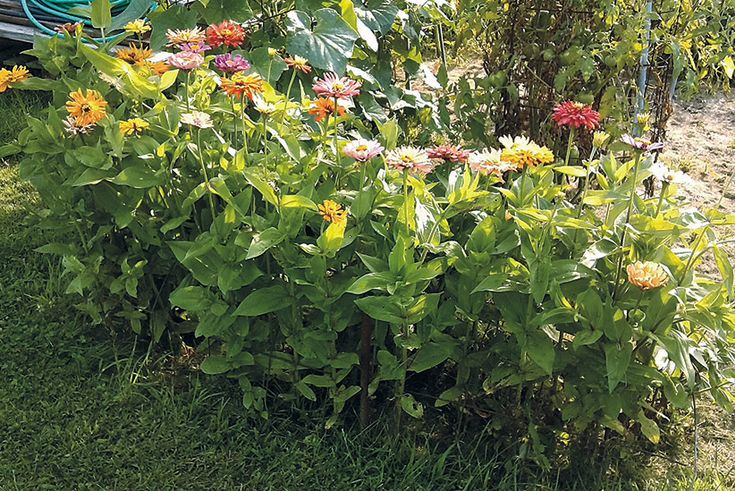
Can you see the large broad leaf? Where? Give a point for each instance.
(101, 14)
(219, 10)
(116, 67)
(617, 359)
(328, 45)
(135, 10)
(264, 301)
(378, 15)
(175, 17)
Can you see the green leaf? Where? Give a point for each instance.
(214, 365)
(298, 201)
(193, 298)
(617, 359)
(378, 15)
(541, 350)
(649, 428)
(263, 187)
(430, 355)
(139, 177)
(264, 241)
(571, 170)
(328, 45)
(174, 17)
(729, 65)
(136, 9)
(381, 308)
(371, 281)
(264, 301)
(411, 406)
(101, 14)
(115, 67)
(235, 10)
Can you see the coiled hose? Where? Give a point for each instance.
(63, 10)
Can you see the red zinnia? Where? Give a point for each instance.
(227, 33)
(576, 115)
(449, 153)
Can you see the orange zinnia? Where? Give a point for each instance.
(243, 85)
(86, 108)
(332, 211)
(324, 108)
(134, 54)
(647, 275)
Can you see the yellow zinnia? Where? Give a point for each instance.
(86, 107)
(138, 27)
(134, 126)
(332, 212)
(522, 152)
(134, 54)
(9, 77)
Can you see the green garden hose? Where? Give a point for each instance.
(64, 11)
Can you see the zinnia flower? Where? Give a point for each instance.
(332, 212)
(647, 275)
(70, 28)
(333, 86)
(200, 48)
(138, 27)
(230, 63)
(641, 144)
(73, 128)
(185, 36)
(324, 108)
(134, 54)
(156, 67)
(265, 108)
(185, 60)
(134, 126)
(576, 115)
(87, 108)
(665, 175)
(227, 33)
(10, 77)
(298, 63)
(411, 159)
(490, 163)
(522, 152)
(449, 153)
(600, 139)
(362, 150)
(240, 85)
(198, 119)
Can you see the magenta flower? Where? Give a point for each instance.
(229, 63)
(641, 144)
(362, 150)
(411, 159)
(334, 87)
(200, 48)
(185, 60)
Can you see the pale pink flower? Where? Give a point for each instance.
(198, 119)
(412, 159)
(490, 163)
(332, 86)
(362, 150)
(185, 60)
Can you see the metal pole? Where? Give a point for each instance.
(643, 74)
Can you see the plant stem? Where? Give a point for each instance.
(265, 139)
(234, 119)
(405, 200)
(186, 91)
(664, 187)
(206, 177)
(570, 142)
(338, 157)
(623, 234)
(288, 96)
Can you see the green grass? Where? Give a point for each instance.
(81, 410)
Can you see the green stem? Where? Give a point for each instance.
(664, 187)
(338, 157)
(186, 91)
(623, 234)
(405, 199)
(234, 118)
(244, 133)
(206, 177)
(265, 139)
(570, 142)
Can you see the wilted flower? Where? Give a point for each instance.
(522, 152)
(225, 33)
(641, 144)
(490, 163)
(362, 150)
(333, 86)
(647, 275)
(138, 27)
(185, 60)
(73, 128)
(200, 48)
(665, 175)
(72, 28)
(600, 139)
(230, 63)
(576, 115)
(332, 212)
(240, 85)
(449, 153)
(134, 126)
(134, 54)
(9, 77)
(323, 108)
(298, 63)
(178, 37)
(412, 159)
(87, 108)
(197, 118)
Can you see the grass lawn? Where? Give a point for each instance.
(80, 410)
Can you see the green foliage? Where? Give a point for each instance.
(497, 292)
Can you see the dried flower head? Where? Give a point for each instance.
(241, 85)
(522, 152)
(362, 150)
(226, 33)
(576, 115)
(323, 108)
(230, 63)
(86, 107)
(332, 212)
(134, 126)
(411, 159)
(197, 118)
(71, 28)
(72, 128)
(298, 64)
(335, 87)
(647, 275)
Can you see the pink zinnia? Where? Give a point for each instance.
(229, 63)
(411, 159)
(334, 87)
(641, 144)
(200, 48)
(185, 60)
(362, 150)
(449, 153)
(490, 163)
(576, 115)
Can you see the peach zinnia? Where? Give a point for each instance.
(225, 33)
(576, 115)
(185, 36)
(490, 163)
(647, 275)
(241, 85)
(86, 107)
(298, 64)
